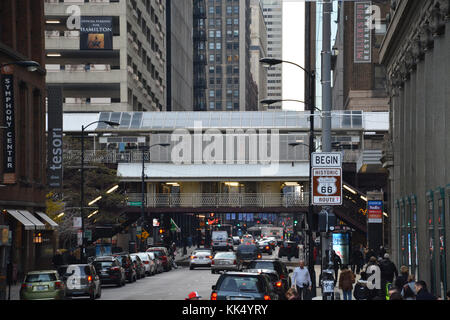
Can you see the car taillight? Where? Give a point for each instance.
(212, 262)
(278, 284)
(234, 262)
(214, 296)
(164, 258)
(146, 262)
(25, 285)
(266, 297)
(114, 269)
(209, 257)
(194, 257)
(282, 277)
(259, 256)
(267, 247)
(58, 285)
(89, 278)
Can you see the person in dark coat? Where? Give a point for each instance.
(337, 263)
(357, 261)
(422, 291)
(388, 270)
(402, 279)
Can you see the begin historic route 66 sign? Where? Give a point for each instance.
(327, 179)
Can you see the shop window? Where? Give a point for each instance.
(431, 239)
(440, 195)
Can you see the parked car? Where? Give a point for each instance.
(288, 249)
(247, 253)
(265, 246)
(276, 265)
(42, 285)
(200, 259)
(275, 280)
(128, 265)
(236, 240)
(139, 265)
(225, 261)
(82, 280)
(159, 268)
(110, 270)
(243, 286)
(149, 265)
(163, 253)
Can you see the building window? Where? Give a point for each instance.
(431, 239)
(440, 195)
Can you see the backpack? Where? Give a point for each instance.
(407, 292)
(361, 292)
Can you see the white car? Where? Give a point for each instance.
(200, 259)
(148, 263)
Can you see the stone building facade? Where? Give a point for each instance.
(415, 53)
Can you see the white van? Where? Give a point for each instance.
(220, 241)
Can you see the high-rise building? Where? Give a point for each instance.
(199, 44)
(358, 82)
(229, 83)
(258, 50)
(128, 76)
(273, 15)
(22, 157)
(179, 75)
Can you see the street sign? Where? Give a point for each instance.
(326, 178)
(326, 160)
(375, 211)
(88, 235)
(327, 186)
(135, 204)
(77, 222)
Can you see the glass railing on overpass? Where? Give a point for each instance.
(233, 200)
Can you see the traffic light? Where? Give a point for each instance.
(327, 221)
(161, 231)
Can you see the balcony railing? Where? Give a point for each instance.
(217, 200)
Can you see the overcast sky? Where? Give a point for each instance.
(293, 50)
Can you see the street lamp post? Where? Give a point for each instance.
(83, 128)
(142, 219)
(312, 107)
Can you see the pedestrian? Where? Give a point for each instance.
(57, 259)
(409, 291)
(337, 263)
(402, 279)
(388, 270)
(448, 295)
(357, 261)
(374, 269)
(301, 280)
(422, 291)
(361, 291)
(381, 252)
(346, 281)
(193, 296)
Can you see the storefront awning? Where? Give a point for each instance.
(39, 225)
(28, 225)
(47, 219)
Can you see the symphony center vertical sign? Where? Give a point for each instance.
(9, 142)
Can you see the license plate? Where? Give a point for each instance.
(40, 288)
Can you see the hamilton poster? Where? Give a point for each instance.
(96, 33)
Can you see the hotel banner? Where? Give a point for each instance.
(96, 33)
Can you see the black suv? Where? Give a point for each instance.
(279, 267)
(288, 249)
(243, 286)
(248, 252)
(110, 270)
(127, 263)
